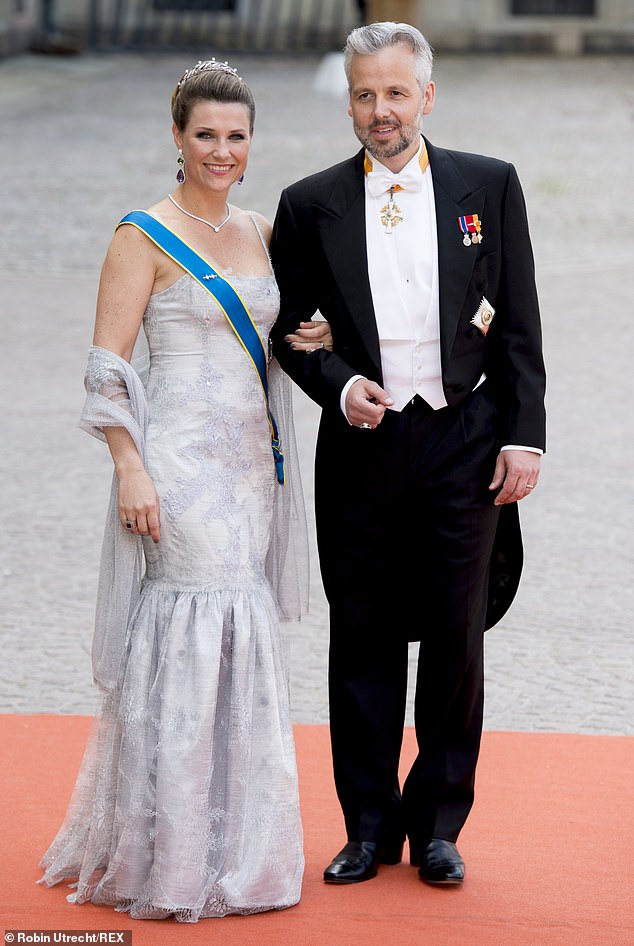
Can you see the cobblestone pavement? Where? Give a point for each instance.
(86, 139)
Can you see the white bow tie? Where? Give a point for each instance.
(381, 180)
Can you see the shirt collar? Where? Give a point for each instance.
(421, 158)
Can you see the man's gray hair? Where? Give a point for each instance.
(366, 40)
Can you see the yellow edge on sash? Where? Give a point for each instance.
(131, 223)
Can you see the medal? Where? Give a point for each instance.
(470, 225)
(379, 182)
(483, 316)
(390, 214)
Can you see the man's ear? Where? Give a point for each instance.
(429, 97)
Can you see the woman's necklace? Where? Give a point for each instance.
(200, 219)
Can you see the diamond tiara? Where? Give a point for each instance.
(208, 65)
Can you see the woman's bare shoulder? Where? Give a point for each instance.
(263, 223)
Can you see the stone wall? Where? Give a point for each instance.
(301, 26)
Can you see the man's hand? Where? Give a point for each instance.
(517, 473)
(366, 403)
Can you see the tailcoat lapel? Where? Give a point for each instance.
(341, 220)
(453, 198)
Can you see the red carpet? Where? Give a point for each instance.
(549, 851)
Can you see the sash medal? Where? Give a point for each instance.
(470, 226)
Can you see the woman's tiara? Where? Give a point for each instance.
(208, 65)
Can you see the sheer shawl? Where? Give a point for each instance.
(115, 397)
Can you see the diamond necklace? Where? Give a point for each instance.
(200, 219)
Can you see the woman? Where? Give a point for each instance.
(186, 803)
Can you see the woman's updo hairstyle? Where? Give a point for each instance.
(210, 81)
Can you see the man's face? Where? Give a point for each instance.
(387, 105)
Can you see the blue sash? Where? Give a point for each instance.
(227, 298)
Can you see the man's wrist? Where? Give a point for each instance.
(344, 392)
(513, 446)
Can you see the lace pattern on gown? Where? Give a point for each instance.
(186, 803)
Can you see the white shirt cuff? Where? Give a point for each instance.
(346, 388)
(512, 446)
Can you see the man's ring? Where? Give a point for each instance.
(129, 524)
(365, 426)
(528, 486)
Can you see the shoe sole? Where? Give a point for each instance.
(348, 880)
(444, 882)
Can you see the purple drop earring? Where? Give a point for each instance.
(240, 179)
(180, 174)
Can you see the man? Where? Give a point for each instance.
(431, 431)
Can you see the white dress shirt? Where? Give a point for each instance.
(403, 271)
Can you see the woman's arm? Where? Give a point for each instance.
(126, 283)
(310, 335)
(125, 286)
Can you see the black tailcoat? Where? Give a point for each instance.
(320, 259)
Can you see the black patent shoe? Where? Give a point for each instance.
(439, 863)
(359, 861)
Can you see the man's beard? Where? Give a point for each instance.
(407, 134)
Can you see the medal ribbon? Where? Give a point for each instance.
(469, 223)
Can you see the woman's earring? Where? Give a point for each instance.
(240, 179)
(180, 174)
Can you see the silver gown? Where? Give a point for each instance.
(186, 804)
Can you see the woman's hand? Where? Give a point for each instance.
(311, 336)
(138, 503)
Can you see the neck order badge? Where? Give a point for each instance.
(385, 180)
(391, 213)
